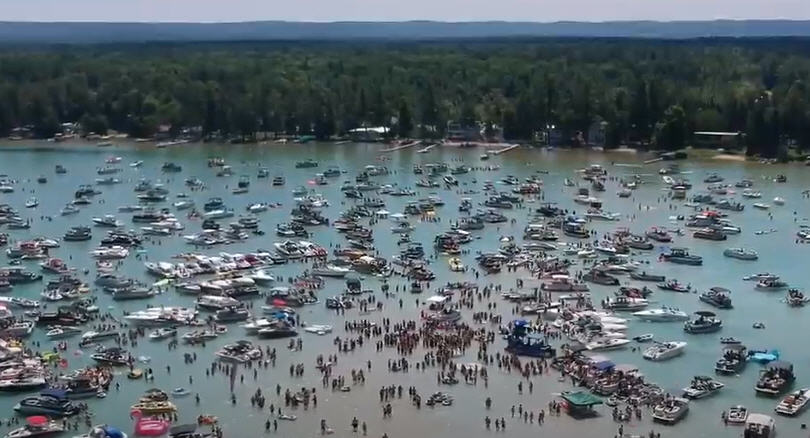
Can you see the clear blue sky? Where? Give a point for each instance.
(398, 10)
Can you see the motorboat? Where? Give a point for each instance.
(709, 234)
(110, 253)
(215, 302)
(761, 205)
(796, 298)
(771, 285)
(37, 426)
(17, 329)
(318, 329)
(232, 314)
(607, 344)
(718, 297)
(277, 331)
(705, 322)
(736, 415)
(661, 351)
(670, 410)
(663, 314)
(563, 283)
(733, 359)
(675, 286)
(331, 271)
(78, 234)
(623, 303)
(133, 293)
(741, 253)
(779, 200)
(240, 352)
(646, 276)
(61, 332)
(701, 387)
(759, 426)
(775, 379)
(163, 333)
(681, 256)
(761, 277)
(793, 403)
(53, 403)
(647, 337)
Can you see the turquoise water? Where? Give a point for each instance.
(785, 327)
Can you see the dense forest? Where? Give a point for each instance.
(647, 92)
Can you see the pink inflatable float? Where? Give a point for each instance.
(149, 426)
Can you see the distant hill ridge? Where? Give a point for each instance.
(99, 32)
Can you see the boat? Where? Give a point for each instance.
(607, 344)
(732, 360)
(701, 387)
(681, 256)
(705, 322)
(52, 402)
(163, 333)
(215, 302)
(670, 410)
(78, 234)
(180, 392)
(659, 235)
(736, 415)
(107, 221)
(761, 276)
(761, 205)
(563, 283)
(741, 253)
(37, 426)
(674, 286)
(647, 337)
(717, 297)
(779, 200)
(709, 234)
(61, 332)
(17, 329)
(759, 426)
(31, 203)
(232, 314)
(793, 403)
(68, 210)
(664, 314)
(661, 351)
(318, 329)
(771, 285)
(775, 379)
(521, 342)
(276, 332)
(796, 298)
(308, 163)
(623, 303)
(645, 276)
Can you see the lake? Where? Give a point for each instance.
(648, 206)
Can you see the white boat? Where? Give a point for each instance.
(779, 200)
(253, 327)
(138, 163)
(741, 253)
(625, 303)
(664, 314)
(750, 194)
(112, 252)
(260, 276)
(318, 329)
(793, 403)
(661, 351)
(48, 427)
(761, 206)
(61, 332)
(257, 208)
(761, 277)
(31, 203)
(702, 386)
(330, 271)
(107, 221)
(607, 344)
(215, 302)
(163, 333)
(736, 414)
(759, 426)
(184, 204)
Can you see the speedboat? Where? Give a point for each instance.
(60, 332)
(37, 426)
(664, 314)
(671, 410)
(736, 414)
(682, 257)
(733, 359)
(318, 329)
(759, 426)
(741, 253)
(771, 285)
(761, 277)
(705, 322)
(793, 403)
(53, 403)
(661, 351)
(717, 297)
(775, 379)
(163, 333)
(702, 386)
(607, 344)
